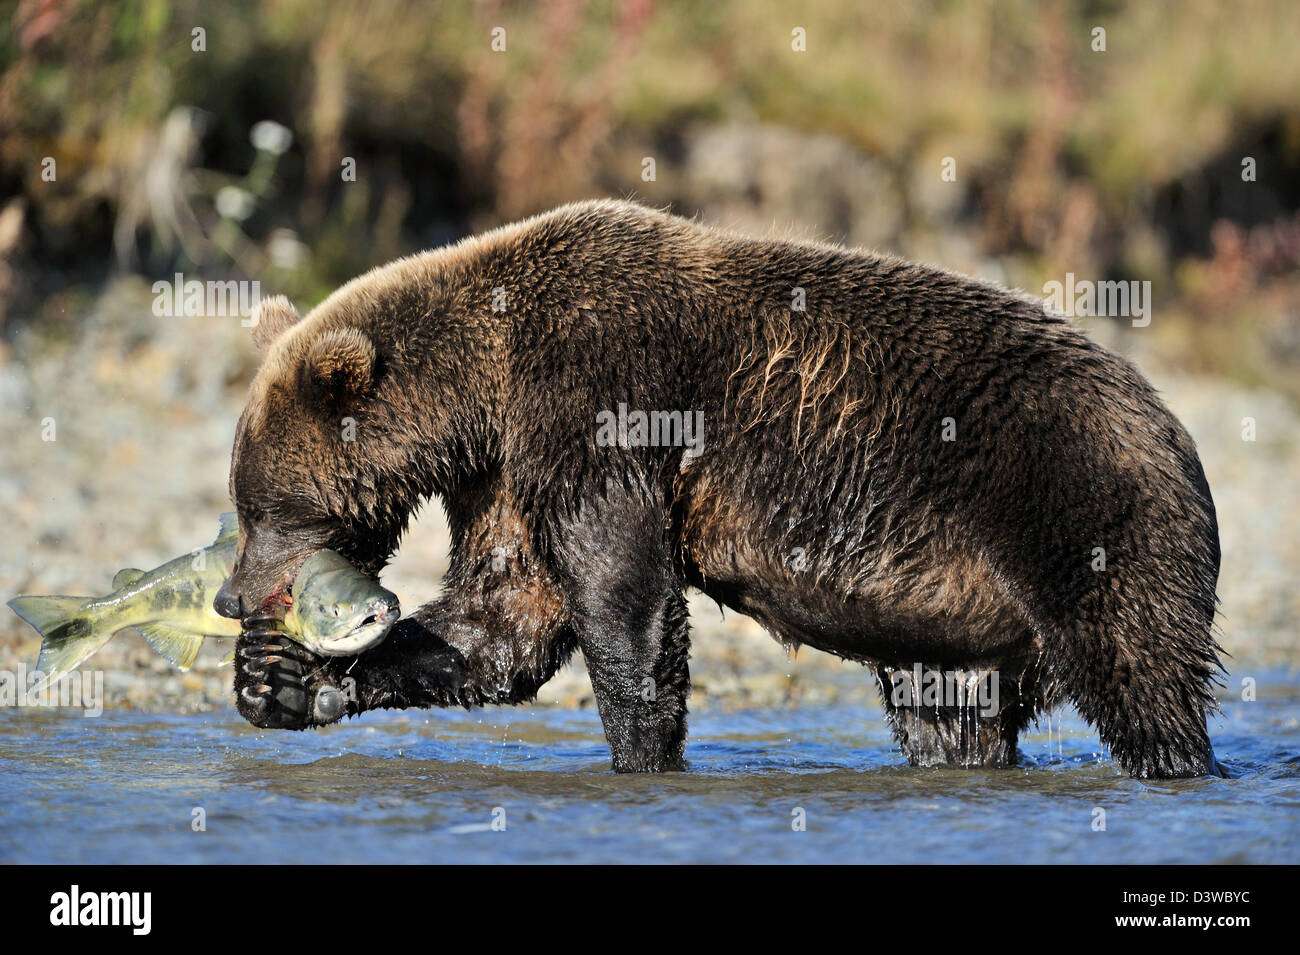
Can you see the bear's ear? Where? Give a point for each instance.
(271, 318)
(340, 365)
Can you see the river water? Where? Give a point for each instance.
(523, 785)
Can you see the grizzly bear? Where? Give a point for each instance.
(890, 463)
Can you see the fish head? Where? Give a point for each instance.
(338, 610)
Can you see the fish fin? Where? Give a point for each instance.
(229, 526)
(127, 575)
(228, 659)
(178, 646)
(68, 633)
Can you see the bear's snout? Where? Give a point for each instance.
(227, 603)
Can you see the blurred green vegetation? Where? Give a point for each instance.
(1122, 163)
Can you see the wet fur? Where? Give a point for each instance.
(823, 437)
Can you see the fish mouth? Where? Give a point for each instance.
(380, 616)
(370, 632)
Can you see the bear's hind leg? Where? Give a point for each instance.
(1145, 687)
(946, 717)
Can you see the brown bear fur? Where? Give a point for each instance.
(823, 438)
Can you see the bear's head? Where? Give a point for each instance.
(316, 463)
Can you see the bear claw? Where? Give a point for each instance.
(282, 685)
(328, 705)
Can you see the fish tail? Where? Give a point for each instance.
(69, 635)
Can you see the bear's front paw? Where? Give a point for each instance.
(279, 684)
